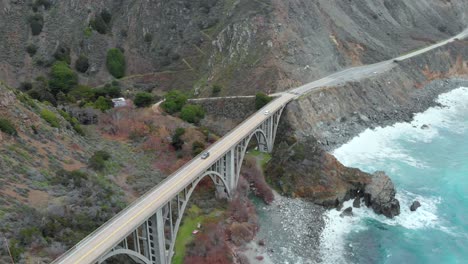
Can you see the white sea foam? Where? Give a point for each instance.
(380, 144)
(371, 149)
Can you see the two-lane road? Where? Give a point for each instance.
(99, 242)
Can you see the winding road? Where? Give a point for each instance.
(94, 246)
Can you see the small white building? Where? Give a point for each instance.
(119, 102)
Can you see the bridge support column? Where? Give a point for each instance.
(159, 239)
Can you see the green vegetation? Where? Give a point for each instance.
(16, 249)
(174, 101)
(99, 25)
(216, 89)
(82, 92)
(36, 22)
(263, 157)
(50, 117)
(64, 177)
(88, 31)
(148, 37)
(98, 161)
(115, 63)
(62, 53)
(82, 64)
(177, 141)
(143, 99)
(106, 16)
(31, 49)
(63, 79)
(192, 113)
(103, 104)
(197, 148)
(261, 100)
(7, 127)
(73, 122)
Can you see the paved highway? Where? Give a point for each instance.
(358, 73)
(115, 230)
(100, 241)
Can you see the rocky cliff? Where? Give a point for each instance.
(245, 46)
(333, 115)
(301, 168)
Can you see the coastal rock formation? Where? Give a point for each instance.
(379, 194)
(347, 212)
(415, 206)
(301, 168)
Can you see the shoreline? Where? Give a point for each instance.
(283, 207)
(424, 98)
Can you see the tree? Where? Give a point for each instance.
(197, 148)
(174, 101)
(192, 113)
(63, 79)
(116, 63)
(98, 160)
(82, 64)
(261, 100)
(143, 99)
(216, 89)
(177, 141)
(36, 22)
(7, 127)
(103, 104)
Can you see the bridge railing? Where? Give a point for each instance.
(135, 203)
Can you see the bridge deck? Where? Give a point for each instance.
(99, 242)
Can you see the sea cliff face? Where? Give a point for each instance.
(334, 115)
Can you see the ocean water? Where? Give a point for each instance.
(426, 164)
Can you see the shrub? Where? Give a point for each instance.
(99, 25)
(50, 117)
(7, 127)
(197, 148)
(63, 79)
(261, 100)
(36, 22)
(216, 89)
(82, 64)
(25, 86)
(143, 99)
(174, 101)
(98, 160)
(62, 53)
(106, 16)
(103, 104)
(82, 92)
(192, 113)
(177, 141)
(31, 49)
(108, 91)
(148, 37)
(115, 63)
(73, 122)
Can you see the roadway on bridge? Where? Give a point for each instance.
(100, 241)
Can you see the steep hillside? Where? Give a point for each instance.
(242, 45)
(59, 180)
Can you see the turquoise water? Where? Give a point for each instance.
(429, 165)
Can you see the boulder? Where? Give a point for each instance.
(347, 212)
(357, 202)
(415, 206)
(379, 194)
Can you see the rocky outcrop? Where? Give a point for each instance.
(379, 194)
(301, 168)
(415, 206)
(347, 212)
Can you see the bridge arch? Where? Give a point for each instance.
(124, 251)
(213, 175)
